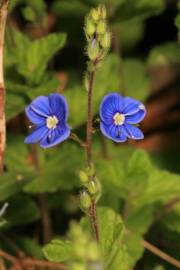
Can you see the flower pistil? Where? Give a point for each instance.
(118, 119)
(52, 122)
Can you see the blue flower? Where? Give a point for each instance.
(117, 116)
(49, 116)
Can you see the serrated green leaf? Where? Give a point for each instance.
(138, 10)
(110, 235)
(139, 220)
(58, 171)
(21, 210)
(177, 21)
(10, 185)
(138, 170)
(30, 246)
(130, 34)
(73, 8)
(58, 251)
(135, 71)
(134, 247)
(14, 105)
(29, 14)
(162, 186)
(20, 164)
(172, 219)
(164, 54)
(37, 55)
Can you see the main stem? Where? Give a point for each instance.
(89, 119)
(92, 211)
(3, 17)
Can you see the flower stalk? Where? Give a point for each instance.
(98, 43)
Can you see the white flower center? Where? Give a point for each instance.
(52, 122)
(118, 119)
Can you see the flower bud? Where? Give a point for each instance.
(93, 50)
(78, 266)
(102, 12)
(93, 251)
(93, 187)
(101, 27)
(85, 200)
(90, 170)
(83, 177)
(90, 27)
(94, 14)
(106, 40)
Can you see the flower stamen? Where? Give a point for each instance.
(118, 119)
(52, 122)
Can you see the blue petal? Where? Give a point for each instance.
(136, 118)
(113, 132)
(110, 104)
(131, 106)
(41, 106)
(37, 135)
(34, 117)
(59, 106)
(55, 136)
(133, 132)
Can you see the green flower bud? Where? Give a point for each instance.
(85, 200)
(93, 187)
(83, 177)
(93, 50)
(94, 14)
(90, 170)
(102, 12)
(101, 27)
(106, 40)
(93, 251)
(78, 266)
(90, 27)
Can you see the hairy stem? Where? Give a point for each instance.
(89, 119)
(92, 211)
(3, 17)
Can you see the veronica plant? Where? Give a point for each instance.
(118, 114)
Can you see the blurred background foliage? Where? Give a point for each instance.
(44, 53)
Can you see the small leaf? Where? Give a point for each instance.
(73, 8)
(135, 71)
(30, 246)
(37, 55)
(138, 10)
(10, 185)
(21, 210)
(53, 176)
(58, 251)
(110, 235)
(164, 54)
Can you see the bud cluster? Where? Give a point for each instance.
(92, 187)
(97, 34)
(85, 249)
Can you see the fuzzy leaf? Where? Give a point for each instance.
(37, 55)
(165, 54)
(58, 251)
(138, 10)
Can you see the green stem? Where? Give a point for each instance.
(92, 211)
(89, 119)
